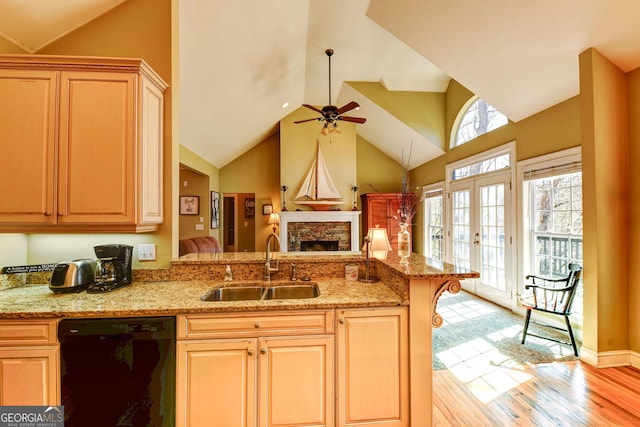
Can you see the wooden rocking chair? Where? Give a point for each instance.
(554, 296)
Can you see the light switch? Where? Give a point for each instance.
(147, 252)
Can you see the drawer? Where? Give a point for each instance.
(255, 324)
(28, 332)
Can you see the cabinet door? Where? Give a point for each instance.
(296, 381)
(27, 145)
(373, 371)
(29, 376)
(96, 177)
(216, 383)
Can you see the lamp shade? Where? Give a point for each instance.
(274, 219)
(379, 245)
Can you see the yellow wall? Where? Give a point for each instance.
(256, 171)
(139, 29)
(605, 177)
(633, 82)
(195, 184)
(298, 145)
(187, 226)
(554, 129)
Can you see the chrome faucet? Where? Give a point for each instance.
(294, 274)
(267, 265)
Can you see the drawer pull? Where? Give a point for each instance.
(257, 325)
(250, 352)
(263, 351)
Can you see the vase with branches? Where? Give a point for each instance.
(409, 203)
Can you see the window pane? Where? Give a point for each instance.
(479, 119)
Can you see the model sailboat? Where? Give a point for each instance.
(317, 189)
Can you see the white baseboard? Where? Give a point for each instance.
(608, 359)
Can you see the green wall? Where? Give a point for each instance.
(424, 112)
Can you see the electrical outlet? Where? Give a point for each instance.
(199, 226)
(147, 252)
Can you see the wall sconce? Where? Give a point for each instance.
(284, 189)
(376, 244)
(274, 219)
(355, 194)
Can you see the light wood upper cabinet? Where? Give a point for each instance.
(372, 367)
(28, 105)
(87, 137)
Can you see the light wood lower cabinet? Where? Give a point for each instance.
(216, 383)
(373, 367)
(29, 363)
(259, 369)
(271, 377)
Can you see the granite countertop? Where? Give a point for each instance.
(175, 297)
(418, 266)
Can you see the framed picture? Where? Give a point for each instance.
(249, 208)
(267, 209)
(215, 209)
(189, 205)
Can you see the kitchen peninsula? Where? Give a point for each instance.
(363, 349)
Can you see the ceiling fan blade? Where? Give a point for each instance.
(352, 119)
(312, 108)
(307, 120)
(348, 107)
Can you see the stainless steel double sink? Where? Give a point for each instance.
(256, 292)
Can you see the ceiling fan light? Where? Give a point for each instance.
(336, 130)
(325, 130)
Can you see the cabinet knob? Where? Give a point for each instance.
(250, 352)
(47, 214)
(341, 321)
(263, 351)
(257, 325)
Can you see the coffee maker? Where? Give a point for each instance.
(113, 269)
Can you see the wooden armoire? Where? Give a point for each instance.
(379, 209)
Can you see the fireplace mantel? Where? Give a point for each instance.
(352, 217)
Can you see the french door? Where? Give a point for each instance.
(480, 234)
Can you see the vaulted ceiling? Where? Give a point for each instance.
(240, 61)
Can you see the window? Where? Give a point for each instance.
(556, 223)
(492, 164)
(476, 119)
(552, 223)
(434, 223)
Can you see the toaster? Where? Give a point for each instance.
(73, 276)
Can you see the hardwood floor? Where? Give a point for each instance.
(555, 394)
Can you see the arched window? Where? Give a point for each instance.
(476, 118)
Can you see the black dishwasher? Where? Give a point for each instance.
(118, 372)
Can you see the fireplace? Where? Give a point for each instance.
(319, 245)
(320, 231)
